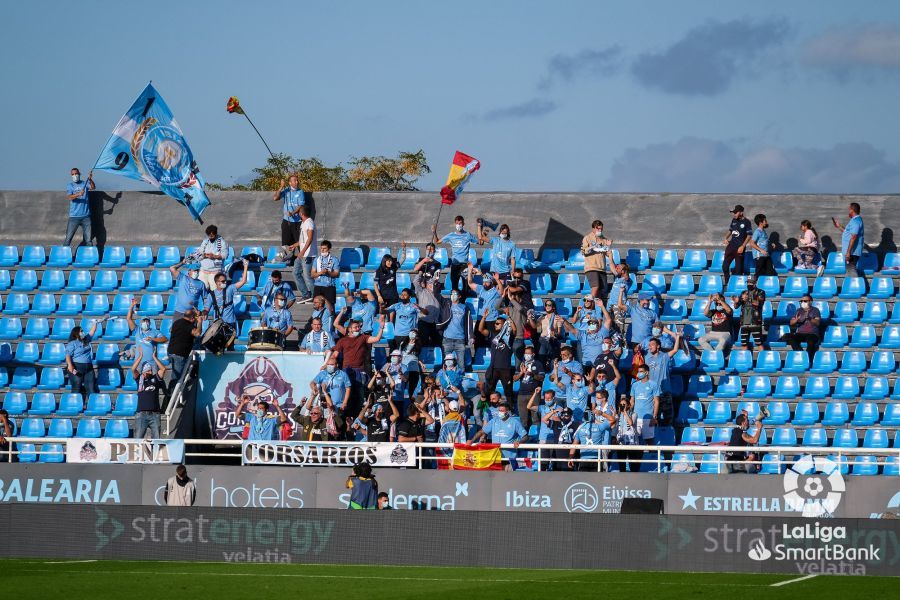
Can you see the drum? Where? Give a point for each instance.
(219, 335)
(266, 338)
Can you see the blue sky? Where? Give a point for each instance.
(565, 96)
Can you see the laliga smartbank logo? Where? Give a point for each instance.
(822, 486)
(812, 542)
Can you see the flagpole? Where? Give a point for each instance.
(258, 133)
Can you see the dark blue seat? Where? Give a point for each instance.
(729, 386)
(60, 257)
(637, 259)
(674, 309)
(690, 412)
(52, 280)
(86, 257)
(783, 262)
(351, 258)
(699, 386)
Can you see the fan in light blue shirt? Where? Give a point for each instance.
(292, 198)
(460, 242)
(407, 315)
(188, 289)
(503, 250)
(362, 308)
(854, 227)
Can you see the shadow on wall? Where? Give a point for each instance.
(99, 210)
(559, 235)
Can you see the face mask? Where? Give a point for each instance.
(279, 303)
(324, 253)
(450, 364)
(430, 253)
(529, 357)
(194, 274)
(379, 380)
(260, 412)
(76, 178)
(412, 335)
(504, 236)
(395, 360)
(330, 368)
(604, 347)
(656, 332)
(221, 285)
(578, 383)
(804, 305)
(404, 300)
(599, 231)
(641, 374)
(504, 415)
(459, 227)
(145, 326)
(354, 334)
(550, 402)
(82, 335)
(454, 297)
(592, 329)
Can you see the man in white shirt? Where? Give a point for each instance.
(213, 252)
(306, 253)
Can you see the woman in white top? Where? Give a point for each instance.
(807, 253)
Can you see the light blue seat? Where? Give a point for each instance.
(835, 337)
(787, 387)
(865, 415)
(70, 405)
(895, 314)
(674, 309)
(246, 326)
(375, 256)
(712, 361)
(52, 378)
(881, 288)
(740, 361)
(271, 263)
(52, 453)
(783, 262)
(815, 437)
(37, 328)
(9, 256)
(690, 412)
(711, 464)
(683, 362)
(875, 312)
(53, 354)
(26, 280)
(784, 436)
(23, 378)
(736, 285)
(116, 330)
(69, 305)
(769, 284)
(796, 361)
(699, 386)
(431, 357)
(865, 465)
(876, 388)
(168, 256)
(60, 428)
(17, 304)
(882, 363)
(694, 261)
(108, 379)
(751, 407)
(834, 264)
(891, 262)
(126, 405)
(853, 363)
(666, 260)
(86, 257)
(824, 288)
(79, 281)
(817, 388)
(440, 255)
(160, 281)
(52, 280)
(113, 257)
(98, 405)
(637, 259)
(60, 257)
(120, 305)
(552, 258)
(15, 403)
(567, 284)
(106, 280)
(779, 413)
(682, 285)
(890, 337)
(698, 310)
(32, 427)
(62, 327)
(853, 287)
(875, 438)
(151, 305)
(106, 355)
(758, 386)
(346, 278)
(824, 362)
(837, 413)
(891, 466)
(524, 258)
(795, 286)
(5, 281)
(721, 435)
(718, 413)
(806, 413)
(846, 388)
(88, 428)
(140, 257)
(132, 281)
(116, 428)
(10, 328)
(541, 283)
(768, 361)
(693, 435)
(404, 281)
(97, 305)
(33, 256)
(729, 386)
(710, 284)
(27, 453)
(845, 312)
(128, 382)
(42, 404)
(891, 416)
(864, 336)
(367, 281)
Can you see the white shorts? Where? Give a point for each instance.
(645, 430)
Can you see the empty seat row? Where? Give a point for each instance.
(774, 464)
(797, 361)
(34, 427)
(788, 387)
(53, 354)
(836, 413)
(70, 405)
(54, 378)
(786, 436)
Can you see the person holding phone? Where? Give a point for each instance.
(852, 239)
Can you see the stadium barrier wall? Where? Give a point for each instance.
(564, 541)
(371, 218)
(323, 488)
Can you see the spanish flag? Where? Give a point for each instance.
(461, 169)
(477, 457)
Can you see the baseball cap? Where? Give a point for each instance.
(738, 208)
(192, 266)
(454, 405)
(645, 296)
(396, 353)
(587, 297)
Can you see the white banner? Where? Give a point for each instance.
(328, 454)
(85, 450)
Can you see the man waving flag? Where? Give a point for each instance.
(147, 144)
(461, 169)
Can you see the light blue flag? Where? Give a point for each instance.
(147, 144)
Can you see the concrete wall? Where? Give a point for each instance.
(375, 218)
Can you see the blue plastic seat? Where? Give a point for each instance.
(769, 284)
(116, 330)
(784, 436)
(817, 388)
(876, 388)
(106, 280)
(721, 435)
(824, 288)
(666, 260)
(758, 386)
(151, 305)
(864, 336)
(694, 261)
(52, 378)
(694, 435)
(552, 258)
(751, 407)
(853, 287)
(128, 382)
(141, 257)
(729, 386)
(9, 256)
(710, 284)
(690, 412)
(824, 362)
(882, 363)
(712, 361)
(890, 337)
(682, 285)
(865, 465)
(837, 413)
(881, 288)
(699, 386)
(60, 428)
(835, 337)
(567, 284)
(10, 328)
(736, 285)
(815, 437)
(69, 305)
(779, 413)
(26, 280)
(796, 361)
(875, 438)
(132, 281)
(160, 281)
(375, 256)
(79, 281)
(52, 280)
(97, 305)
(23, 378)
(674, 309)
(86, 257)
(711, 464)
(113, 257)
(107, 355)
(787, 387)
(88, 428)
(806, 413)
(167, 256)
(718, 413)
(795, 286)
(834, 264)
(351, 258)
(120, 305)
(698, 310)
(637, 259)
(60, 257)
(895, 314)
(347, 278)
(116, 428)
(17, 304)
(15, 403)
(70, 405)
(246, 326)
(845, 312)
(37, 328)
(98, 405)
(42, 404)
(33, 256)
(53, 354)
(783, 262)
(126, 405)
(768, 361)
(367, 281)
(541, 283)
(891, 262)
(740, 361)
(62, 327)
(891, 416)
(27, 453)
(865, 415)
(875, 312)
(846, 388)
(108, 379)
(32, 427)
(52, 453)
(5, 281)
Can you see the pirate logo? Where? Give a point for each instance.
(399, 455)
(88, 452)
(261, 380)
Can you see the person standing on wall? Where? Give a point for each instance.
(79, 207)
(739, 232)
(292, 198)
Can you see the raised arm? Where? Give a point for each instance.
(243, 280)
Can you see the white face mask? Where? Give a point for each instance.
(598, 231)
(279, 303)
(412, 335)
(504, 236)
(592, 328)
(193, 274)
(804, 305)
(76, 178)
(395, 360)
(145, 326)
(221, 285)
(459, 227)
(323, 253)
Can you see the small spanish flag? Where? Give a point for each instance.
(461, 169)
(477, 457)
(234, 106)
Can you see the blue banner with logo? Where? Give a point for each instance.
(147, 144)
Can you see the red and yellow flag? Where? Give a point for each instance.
(234, 106)
(461, 169)
(476, 457)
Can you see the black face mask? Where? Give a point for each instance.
(404, 300)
